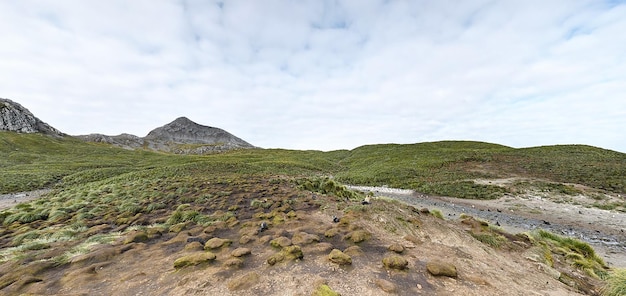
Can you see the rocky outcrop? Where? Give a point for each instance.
(181, 136)
(127, 141)
(14, 117)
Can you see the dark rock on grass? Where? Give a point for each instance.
(216, 243)
(240, 252)
(441, 268)
(395, 262)
(194, 259)
(397, 248)
(339, 257)
(244, 282)
(386, 285)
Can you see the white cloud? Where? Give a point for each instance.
(324, 74)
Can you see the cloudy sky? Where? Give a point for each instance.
(324, 75)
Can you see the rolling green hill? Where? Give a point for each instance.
(34, 161)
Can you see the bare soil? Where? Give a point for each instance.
(566, 215)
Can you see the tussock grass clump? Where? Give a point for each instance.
(615, 284)
(578, 253)
(328, 186)
(437, 213)
(492, 239)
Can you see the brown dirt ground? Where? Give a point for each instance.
(146, 268)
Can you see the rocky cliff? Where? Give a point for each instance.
(14, 117)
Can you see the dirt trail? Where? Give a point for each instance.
(602, 229)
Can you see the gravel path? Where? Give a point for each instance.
(604, 230)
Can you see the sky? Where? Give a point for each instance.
(324, 75)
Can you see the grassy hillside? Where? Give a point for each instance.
(444, 168)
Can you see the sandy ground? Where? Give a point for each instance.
(602, 229)
(12, 199)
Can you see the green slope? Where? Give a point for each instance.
(31, 161)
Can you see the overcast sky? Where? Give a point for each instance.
(324, 75)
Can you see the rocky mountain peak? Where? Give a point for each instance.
(14, 117)
(185, 131)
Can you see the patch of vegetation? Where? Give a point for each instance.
(437, 213)
(578, 253)
(325, 185)
(489, 238)
(615, 283)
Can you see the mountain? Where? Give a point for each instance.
(14, 117)
(181, 136)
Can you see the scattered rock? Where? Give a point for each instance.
(386, 285)
(397, 248)
(194, 259)
(395, 262)
(276, 258)
(240, 252)
(353, 251)
(216, 242)
(244, 282)
(303, 238)
(193, 247)
(440, 268)
(331, 232)
(233, 263)
(245, 239)
(358, 236)
(339, 257)
(293, 252)
(136, 237)
(280, 242)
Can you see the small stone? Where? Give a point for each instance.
(398, 248)
(358, 236)
(239, 252)
(339, 257)
(244, 282)
(280, 242)
(440, 268)
(216, 242)
(193, 246)
(136, 237)
(233, 263)
(353, 251)
(395, 262)
(194, 259)
(245, 239)
(386, 285)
